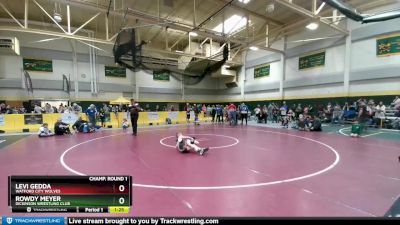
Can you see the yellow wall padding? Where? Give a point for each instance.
(14, 123)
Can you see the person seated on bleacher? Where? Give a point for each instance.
(44, 131)
(61, 128)
(396, 106)
(328, 113)
(298, 110)
(315, 124)
(301, 125)
(37, 109)
(396, 101)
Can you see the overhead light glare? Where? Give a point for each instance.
(312, 26)
(253, 48)
(244, 1)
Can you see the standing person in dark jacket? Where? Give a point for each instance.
(134, 110)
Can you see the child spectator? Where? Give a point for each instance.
(125, 124)
(44, 131)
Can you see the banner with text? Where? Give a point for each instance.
(173, 115)
(161, 75)
(33, 119)
(262, 71)
(115, 71)
(388, 46)
(37, 65)
(153, 116)
(312, 61)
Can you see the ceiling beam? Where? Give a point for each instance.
(260, 16)
(154, 19)
(310, 14)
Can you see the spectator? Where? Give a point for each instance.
(370, 112)
(125, 124)
(79, 124)
(9, 110)
(380, 111)
(48, 108)
(37, 109)
(315, 124)
(147, 108)
(264, 114)
(220, 113)
(209, 109)
(196, 111)
(68, 109)
(232, 114)
(336, 114)
(54, 109)
(91, 112)
(301, 124)
(102, 117)
(157, 108)
(22, 110)
(187, 108)
(165, 108)
(270, 111)
(213, 113)
(328, 113)
(257, 112)
(44, 131)
(172, 108)
(244, 110)
(61, 128)
(76, 108)
(204, 109)
(283, 110)
(298, 110)
(61, 108)
(362, 113)
(395, 102)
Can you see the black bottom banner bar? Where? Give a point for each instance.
(219, 221)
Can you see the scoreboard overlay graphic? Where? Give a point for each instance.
(75, 194)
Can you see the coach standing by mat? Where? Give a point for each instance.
(134, 110)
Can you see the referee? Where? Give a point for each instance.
(134, 110)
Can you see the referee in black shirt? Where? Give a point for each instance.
(134, 110)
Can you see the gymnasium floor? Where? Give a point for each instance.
(249, 171)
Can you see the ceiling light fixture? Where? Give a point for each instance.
(57, 17)
(312, 26)
(244, 1)
(253, 48)
(57, 12)
(193, 34)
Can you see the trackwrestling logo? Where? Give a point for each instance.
(9, 220)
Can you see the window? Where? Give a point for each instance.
(232, 24)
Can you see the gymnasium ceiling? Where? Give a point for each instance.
(180, 16)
